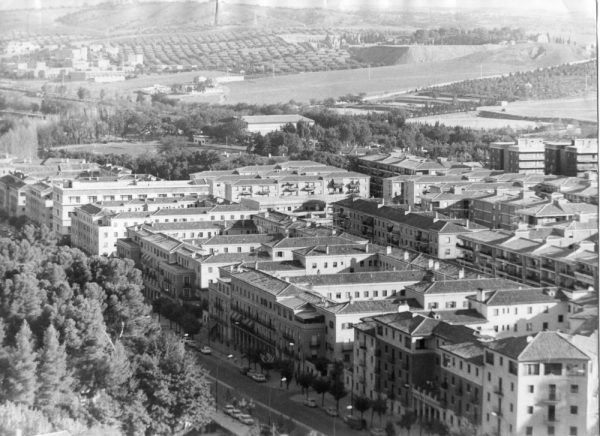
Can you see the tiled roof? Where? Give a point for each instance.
(458, 317)
(543, 346)
(521, 296)
(454, 333)
(183, 211)
(240, 239)
(360, 277)
(465, 285)
(340, 250)
(416, 325)
(470, 351)
(91, 209)
(232, 258)
(360, 306)
(187, 225)
(553, 209)
(303, 242)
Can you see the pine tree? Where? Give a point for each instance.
(52, 370)
(20, 377)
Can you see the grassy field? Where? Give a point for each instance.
(578, 108)
(472, 121)
(132, 148)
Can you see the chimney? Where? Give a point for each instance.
(529, 339)
(430, 264)
(436, 217)
(480, 294)
(408, 210)
(467, 223)
(350, 301)
(436, 265)
(388, 249)
(406, 255)
(327, 249)
(461, 273)
(366, 248)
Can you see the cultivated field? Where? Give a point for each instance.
(578, 108)
(472, 121)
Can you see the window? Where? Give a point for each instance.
(529, 327)
(572, 431)
(489, 357)
(552, 368)
(528, 431)
(573, 410)
(512, 367)
(560, 318)
(314, 265)
(530, 310)
(550, 430)
(530, 389)
(450, 304)
(280, 254)
(574, 389)
(530, 410)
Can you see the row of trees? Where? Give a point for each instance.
(79, 349)
(553, 82)
(456, 36)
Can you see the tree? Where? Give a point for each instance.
(379, 406)
(390, 429)
(21, 377)
(321, 386)
(362, 404)
(305, 380)
(83, 93)
(337, 391)
(52, 371)
(407, 421)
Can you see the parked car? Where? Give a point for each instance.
(235, 413)
(331, 411)
(206, 350)
(244, 370)
(378, 431)
(245, 419)
(191, 345)
(310, 402)
(251, 373)
(228, 409)
(355, 422)
(259, 378)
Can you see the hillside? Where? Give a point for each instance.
(537, 55)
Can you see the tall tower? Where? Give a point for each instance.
(217, 13)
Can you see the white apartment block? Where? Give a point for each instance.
(74, 193)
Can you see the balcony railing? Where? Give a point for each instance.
(552, 397)
(499, 390)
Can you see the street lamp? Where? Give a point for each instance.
(217, 383)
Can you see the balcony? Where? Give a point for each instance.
(499, 390)
(585, 277)
(551, 420)
(551, 398)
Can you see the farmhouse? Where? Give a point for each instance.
(264, 124)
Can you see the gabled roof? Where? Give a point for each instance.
(303, 242)
(542, 346)
(360, 277)
(465, 285)
(359, 306)
(409, 323)
(91, 209)
(469, 351)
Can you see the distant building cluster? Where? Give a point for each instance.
(462, 294)
(96, 62)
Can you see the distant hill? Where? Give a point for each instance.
(530, 55)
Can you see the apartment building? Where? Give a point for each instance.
(74, 193)
(13, 191)
(382, 166)
(557, 209)
(539, 384)
(524, 156)
(425, 232)
(571, 158)
(560, 259)
(501, 210)
(38, 204)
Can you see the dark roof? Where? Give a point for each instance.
(91, 209)
(361, 306)
(542, 346)
(470, 351)
(407, 322)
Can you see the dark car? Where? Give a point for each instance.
(355, 422)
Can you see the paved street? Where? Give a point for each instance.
(271, 400)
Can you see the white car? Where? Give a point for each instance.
(259, 378)
(206, 350)
(245, 419)
(228, 409)
(310, 402)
